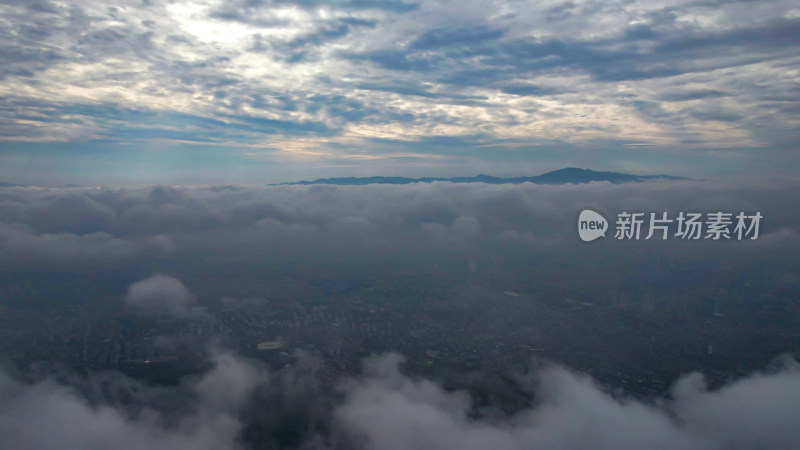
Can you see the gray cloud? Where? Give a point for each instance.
(217, 239)
(261, 73)
(160, 294)
(49, 415)
(24, 248)
(387, 410)
(247, 11)
(269, 223)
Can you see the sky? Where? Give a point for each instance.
(258, 91)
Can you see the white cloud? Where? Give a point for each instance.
(51, 416)
(160, 294)
(219, 71)
(386, 410)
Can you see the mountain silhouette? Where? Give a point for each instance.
(568, 175)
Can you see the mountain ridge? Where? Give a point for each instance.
(567, 175)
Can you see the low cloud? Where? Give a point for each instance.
(160, 294)
(158, 229)
(384, 409)
(200, 414)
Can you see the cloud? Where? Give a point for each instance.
(160, 294)
(382, 408)
(751, 413)
(200, 413)
(24, 248)
(388, 410)
(230, 384)
(317, 80)
(159, 227)
(213, 239)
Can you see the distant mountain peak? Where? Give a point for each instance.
(567, 175)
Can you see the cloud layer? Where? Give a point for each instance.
(155, 229)
(202, 413)
(384, 409)
(387, 410)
